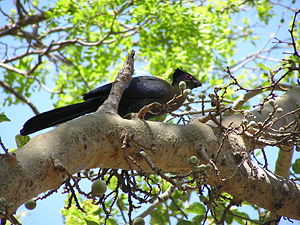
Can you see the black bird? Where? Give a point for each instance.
(139, 92)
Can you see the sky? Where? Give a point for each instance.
(47, 211)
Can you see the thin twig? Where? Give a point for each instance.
(10, 89)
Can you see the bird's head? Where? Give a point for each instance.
(190, 80)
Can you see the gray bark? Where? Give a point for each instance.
(96, 141)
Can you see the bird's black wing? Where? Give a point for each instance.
(99, 91)
(138, 87)
(143, 91)
(147, 87)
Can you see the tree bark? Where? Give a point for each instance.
(96, 140)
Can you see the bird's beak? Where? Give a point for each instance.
(197, 83)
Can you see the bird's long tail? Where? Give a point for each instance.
(59, 115)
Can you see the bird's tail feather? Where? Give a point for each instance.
(59, 115)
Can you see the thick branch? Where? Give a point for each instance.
(287, 103)
(96, 141)
(265, 189)
(284, 161)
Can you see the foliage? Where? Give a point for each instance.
(199, 38)
(91, 216)
(3, 117)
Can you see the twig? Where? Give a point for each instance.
(40, 59)
(10, 89)
(3, 147)
(13, 69)
(292, 36)
(26, 20)
(21, 10)
(155, 169)
(16, 70)
(252, 93)
(148, 108)
(226, 210)
(287, 114)
(256, 54)
(73, 196)
(163, 197)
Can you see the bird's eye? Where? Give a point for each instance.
(189, 76)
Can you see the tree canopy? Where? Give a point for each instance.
(244, 52)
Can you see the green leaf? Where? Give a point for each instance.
(3, 117)
(111, 221)
(240, 216)
(90, 222)
(185, 222)
(264, 67)
(296, 166)
(229, 219)
(264, 75)
(21, 140)
(196, 208)
(198, 219)
(159, 216)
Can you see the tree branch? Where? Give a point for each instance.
(284, 161)
(11, 29)
(111, 104)
(10, 89)
(96, 141)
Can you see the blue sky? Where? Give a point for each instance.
(47, 211)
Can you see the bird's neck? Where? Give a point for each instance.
(175, 90)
